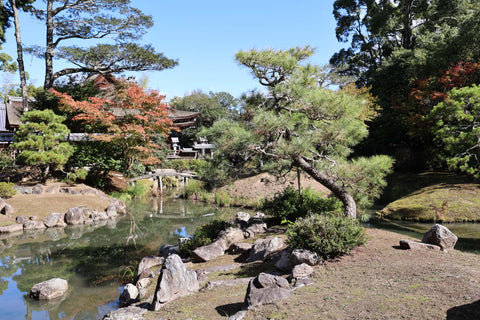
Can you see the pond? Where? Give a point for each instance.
(93, 259)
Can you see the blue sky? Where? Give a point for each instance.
(204, 35)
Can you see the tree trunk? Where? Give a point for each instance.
(407, 41)
(21, 66)
(49, 47)
(338, 191)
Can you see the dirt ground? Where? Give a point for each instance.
(266, 185)
(41, 206)
(377, 281)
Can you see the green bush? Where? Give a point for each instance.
(289, 205)
(222, 199)
(203, 236)
(194, 165)
(6, 190)
(6, 161)
(193, 188)
(140, 188)
(327, 235)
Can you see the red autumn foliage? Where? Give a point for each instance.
(131, 120)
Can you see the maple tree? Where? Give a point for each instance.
(131, 120)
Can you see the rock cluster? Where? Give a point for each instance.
(175, 280)
(438, 238)
(74, 216)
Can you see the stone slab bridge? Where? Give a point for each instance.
(158, 174)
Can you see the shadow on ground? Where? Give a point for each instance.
(466, 311)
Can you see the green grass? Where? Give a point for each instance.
(439, 202)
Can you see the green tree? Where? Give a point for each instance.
(393, 43)
(96, 19)
(39, 141)
(457, 128)
(212, 107)
(300, 124)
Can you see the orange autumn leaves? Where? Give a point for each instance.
(133, 119)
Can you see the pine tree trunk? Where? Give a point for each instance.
(338, 191)
(21, 66)
(49, 47)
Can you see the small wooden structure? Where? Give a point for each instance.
(158, 174)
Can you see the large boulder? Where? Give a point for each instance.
(415, 245)
(211, 251)
(231, 235)
(50, 289)
(266, 288)
(52, 219)
(33, 225)
(175, 281)
(302, 271)
(300, 256)
(242, 219)
(8, 210)
(256, 228)
(263, 247)
(21, 219)
(12, 228)
(440, 236)
(75, 215)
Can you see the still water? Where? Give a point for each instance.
(93, 259)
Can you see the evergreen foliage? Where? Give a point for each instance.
(327, 235)
(7, 189)
(457, 128)
(300, 124)
(289, 205)
(39, 141)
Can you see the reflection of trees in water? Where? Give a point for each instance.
(92, 260)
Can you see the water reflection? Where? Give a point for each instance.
(92, 258)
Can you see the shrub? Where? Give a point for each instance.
(289, 205)
(327, 235)
(193, 188)
(222, 199)
(6, 161)
(6, 190)
(203, 236)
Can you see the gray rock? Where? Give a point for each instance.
(302, 271)
(168, 249)
(38, 189)
(302, 282)
(225, 283)
(231, 235)
(300, 256)
(52, 189)
(119, 206)
(21, 219)
(129, 295)
(128, 313)
(240, 247)
(2, 204)
(255, 229)
(440, 236)
(142, 286)
(263, 247)
(99, 216)
(415, 245)
(33, 225)
(242, 219)
(12, 228)
(210, 252)
(8, 210)
(23, 190)
(281, 260)
(111, 211)
(238, 316)
(148, 262)
(265, 289)
(175, 281)
(50, 289)
(52, 219)
(75, 215)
